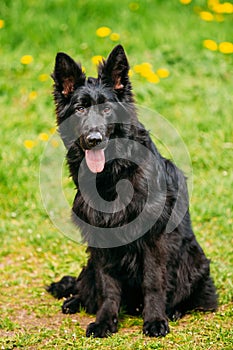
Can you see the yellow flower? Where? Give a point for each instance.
(226, 7)
(206, 16)
(53, 130)
(185, 2)
(153, 78)
(130, 73)
(43, 77)
(2, 23)
(27, 59)
(115, 37)
(43, 136)
(137, 68)
(211, 3)
(102, 32)
(144, 69)
(226, 47)
(216, 7)
(97, 59)
(33, 95)
(133, 6)
(163, 73)
(210, 45)
(55, 143)
(29, 144)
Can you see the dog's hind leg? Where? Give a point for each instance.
(64, 288)
(202, 298)
(80, 292)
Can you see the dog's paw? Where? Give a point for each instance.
(62, 289)
(55, 290)
(71, 305)
(156, 328)
(101, 330)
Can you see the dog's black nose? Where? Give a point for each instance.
(94, 138)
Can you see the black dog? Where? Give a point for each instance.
(143, 254)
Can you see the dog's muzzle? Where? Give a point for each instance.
(93, 145)
(94, 139)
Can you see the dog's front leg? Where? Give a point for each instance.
(154, 290)
(109, 299)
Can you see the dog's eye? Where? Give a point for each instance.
(81, 109)
(107, 110)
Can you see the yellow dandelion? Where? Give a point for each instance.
(43, 77)
(29, 144)
(210, 45)
(102, 32)
(146, 65)
(43, 136)
(52, 131)
(133, 6)
(216, 7)
(137, 68)
(185, 2)
(32, 95)
(145, 73)
(206, 16)
(115, 37)
(226, 7)
(153, 78)
(146, 69)
(226, 47)
(26, 59)
(2, 23)
(55, 143)
(97, 59)
(131, 73)
(163, 73)
(211, 3)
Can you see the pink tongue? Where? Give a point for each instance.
(95, 160)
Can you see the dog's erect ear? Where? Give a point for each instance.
(67, 75)
(115, 69)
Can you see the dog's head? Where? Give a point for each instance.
(87, 107)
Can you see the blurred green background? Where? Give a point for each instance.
(180, 54)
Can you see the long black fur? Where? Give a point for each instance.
(162, 274)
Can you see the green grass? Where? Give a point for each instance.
(196, 98)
